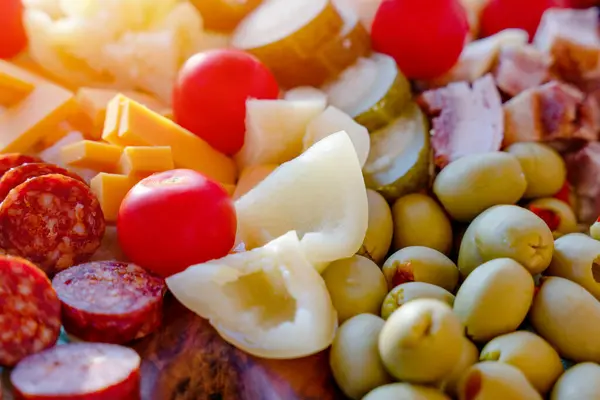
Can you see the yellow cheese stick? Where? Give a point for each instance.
(141, 161)
(89, 154)
(129, 123)
(111, 189)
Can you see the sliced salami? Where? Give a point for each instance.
(11, 160)
(110, 301)
(79, 371)
(29, 310)
(17, 175)
(53, 220)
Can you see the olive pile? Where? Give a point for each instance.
(486, 292)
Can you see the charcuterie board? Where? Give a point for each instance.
(187, 360)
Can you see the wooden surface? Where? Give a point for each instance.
(187, 360)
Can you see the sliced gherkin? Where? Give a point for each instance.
(400, 158)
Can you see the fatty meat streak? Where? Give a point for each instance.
(11, 160)
(110, 301)
(79, 371)
(17, 175)
(53, 220)
(29, 310)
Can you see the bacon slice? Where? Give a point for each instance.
(520, 68)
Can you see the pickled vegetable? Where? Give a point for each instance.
(409, 291)
(420, 221)
(581, 382)
(531, 354)
(421, 342)
(494, 380)
(469, 356)
(354, 356)
(356, 286)
(405, 391)
(224, 15)
(400, 159)
(380, 230)
(420, 264)
(506, 231)
(474, 183)
(494, 299)
(557, 214)
(577, 258)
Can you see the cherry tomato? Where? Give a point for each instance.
(498, 15)
(174, 219)
(12, 37)
(209, 98)
(425, 37)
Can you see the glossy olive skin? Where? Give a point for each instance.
(421, 342)
(568, 317)
(356, 286)
(492, 380)
(354, 356)
(474, 183)
(528, 352)
(380, 230)
(420, 221)
(469, 356)
(507, 231)
(420, 264)
(581, 382)
(405, 391)
(545, 170)
(409, 291)
(494, 299)
(577, 258)
(567, 221)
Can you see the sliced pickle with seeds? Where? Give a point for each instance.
(400, 157)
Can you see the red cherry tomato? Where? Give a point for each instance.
(175, 219)
(425, 37)
(209, 98)
(12, 37)
(498, 15)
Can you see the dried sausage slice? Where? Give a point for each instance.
(53, 220)
(110, 301)
(17, 175)
(11, 160)
(29, 310)
(79, 371)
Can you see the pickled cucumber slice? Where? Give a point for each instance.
(224, 15)
(373, 91)
(400, 158)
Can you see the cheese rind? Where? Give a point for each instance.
(111, 189)
(92, 155)
(141, 161)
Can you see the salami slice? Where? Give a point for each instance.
(17, 175)
(79, 371)
(53, 220)
(110, 301)
(11, 160)
(29, 310)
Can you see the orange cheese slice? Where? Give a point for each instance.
(111, 189)
(129, 123)
(13, 89)
(91, 155)
(142, 161)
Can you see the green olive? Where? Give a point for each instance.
(581, 382)
(531, 354)
(507, 231)
(494, 299)
(595, 230)
(474, 183)
(469, 356)
(420, 221)
(561, 212)
(568, 317)
(420, 264)
(408, 291)
(378, 238)
(405, 391)
(492, 380)
(544, 169)
(356, 286)
(354, 356)
(577, 258)
(421, 342)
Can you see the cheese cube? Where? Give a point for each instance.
(128, 123)
(111, 189)
(89, 154)
(142, 161)
(13, 89)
